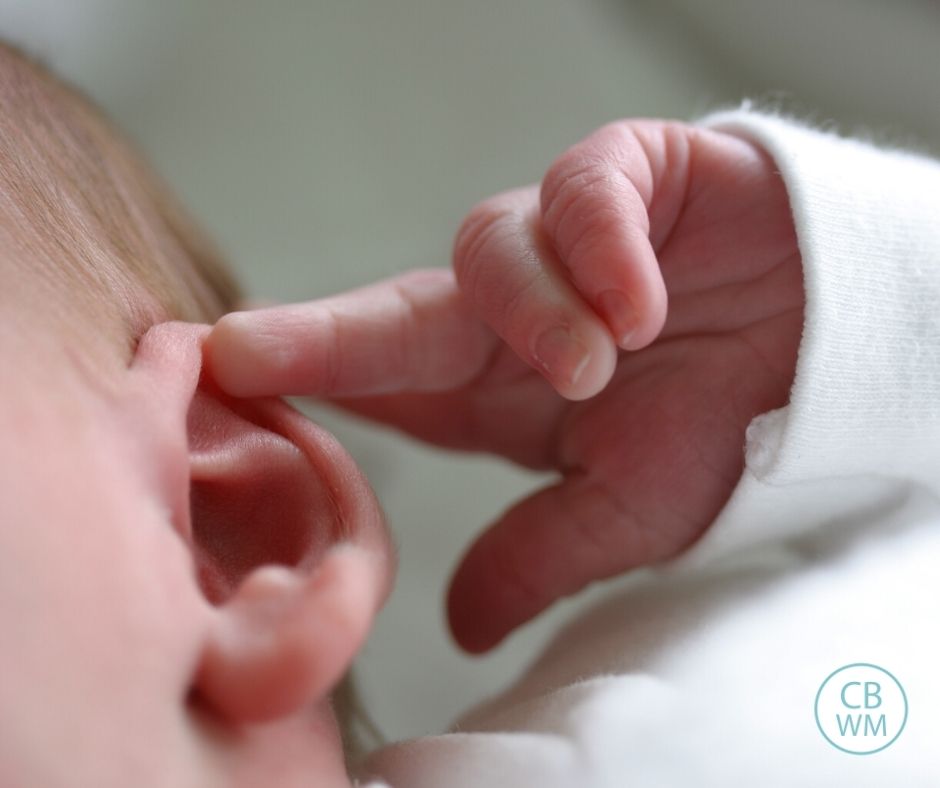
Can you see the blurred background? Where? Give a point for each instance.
(326, 144)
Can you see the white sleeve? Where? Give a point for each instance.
(671, 680)
(863, 418)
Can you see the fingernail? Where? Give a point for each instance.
(561, 355)
(619, 313)
(238, 322)
(254, 329)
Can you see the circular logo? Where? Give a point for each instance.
(861, 708)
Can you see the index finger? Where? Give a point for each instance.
(412, 332)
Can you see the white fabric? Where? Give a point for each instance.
(705, 672)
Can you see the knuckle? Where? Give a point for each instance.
(515, 573)
(604, 536)
(477, 248)
(409, 343)
(619, 534)
(332, 349)
(633, 535)
(577, 200)
(479, 229)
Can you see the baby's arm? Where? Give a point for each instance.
(669, 681)
(647, 406)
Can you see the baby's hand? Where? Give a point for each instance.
(647, 438)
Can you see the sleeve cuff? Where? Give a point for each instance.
(865, 401)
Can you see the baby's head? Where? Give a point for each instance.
(183, 576)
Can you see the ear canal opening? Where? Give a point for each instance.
(255, 499)
(235, 532)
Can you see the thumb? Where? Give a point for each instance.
(408, 333)
(549, 545)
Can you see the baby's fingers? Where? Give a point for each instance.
(409, 333)
(512, 277)
(606, 203)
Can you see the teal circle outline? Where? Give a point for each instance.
(860, 665)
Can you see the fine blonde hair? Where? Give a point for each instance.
(102, 241)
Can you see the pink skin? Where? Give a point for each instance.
(119, 667)
(517, 354)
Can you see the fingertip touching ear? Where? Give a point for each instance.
(289, 546)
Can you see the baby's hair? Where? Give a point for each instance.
(87, 224)
(94, 247)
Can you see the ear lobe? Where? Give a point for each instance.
(285, 639)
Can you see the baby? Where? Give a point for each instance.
(183, 576)
(188, 566)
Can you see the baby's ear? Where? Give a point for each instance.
(285, 637)
(288, 542)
